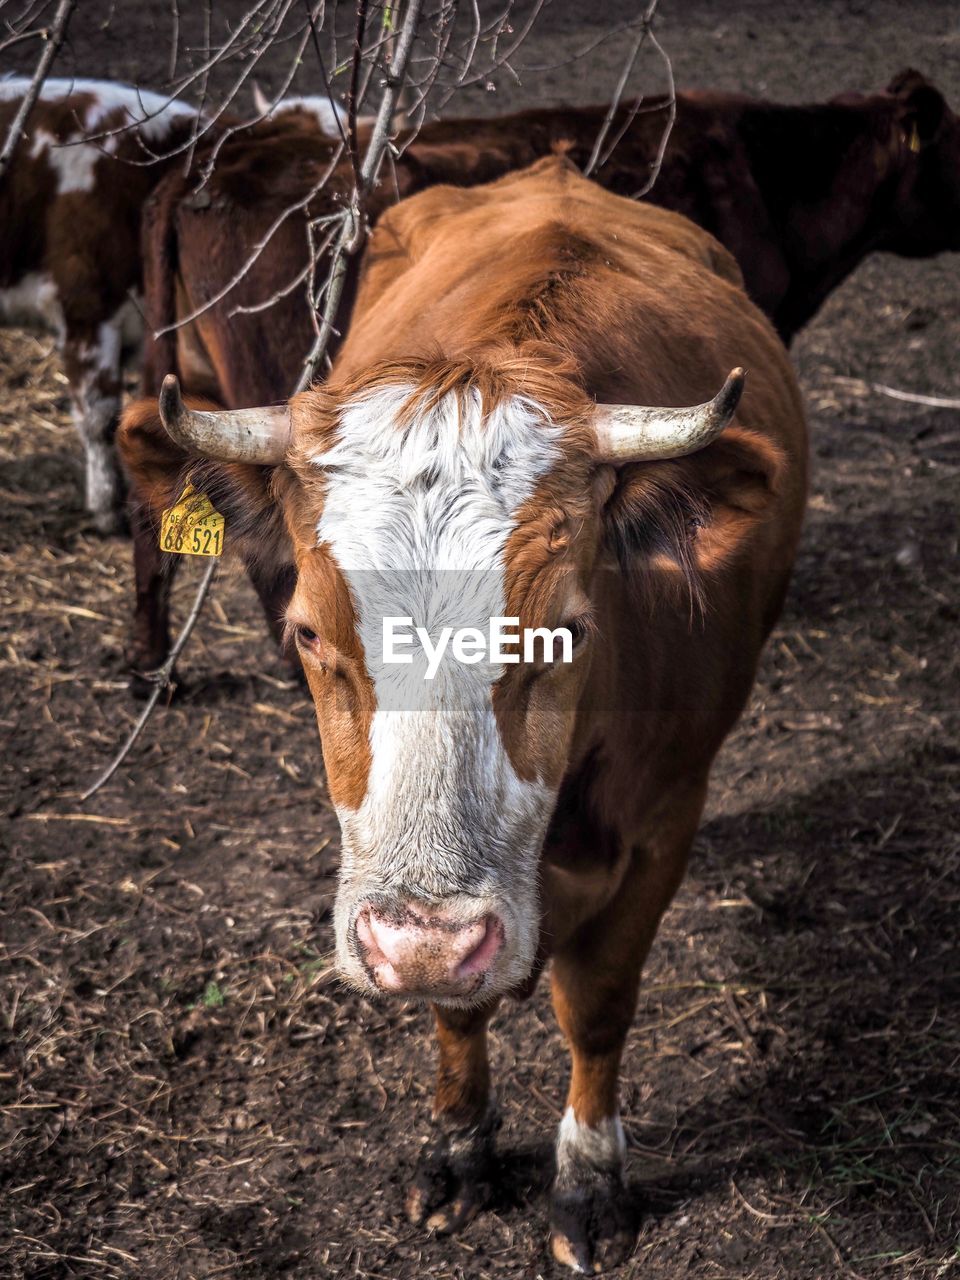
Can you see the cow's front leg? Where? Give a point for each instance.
(153, 571)
(452, 1182)
(596, 975)
(92, 362)
(152, 462)
(590, 1220)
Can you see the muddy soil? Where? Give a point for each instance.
(185, 1090)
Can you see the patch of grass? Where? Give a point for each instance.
(213, 996)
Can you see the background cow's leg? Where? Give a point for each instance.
(151, 461)
(595, 979)
(92, 358)
(153, 572)
(453, 1179)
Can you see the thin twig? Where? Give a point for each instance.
(161, 679)
(667, 128)
(352, 91)
(614, 107)
(44, 63)
(315, 37)
(174, 40)
(914, 397)
(352, 232)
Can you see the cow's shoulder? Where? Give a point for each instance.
(519, 199)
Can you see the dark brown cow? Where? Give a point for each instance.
(491, 448)
(799, 194)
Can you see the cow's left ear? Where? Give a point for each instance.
(922, 108)
(694, 514)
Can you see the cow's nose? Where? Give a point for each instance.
(408, 953)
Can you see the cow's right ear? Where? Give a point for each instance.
(250, 500)
(693, 515)
(247, 496)
(922, 108)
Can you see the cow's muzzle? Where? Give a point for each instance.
(411, 949)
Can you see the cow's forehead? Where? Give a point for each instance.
(420, 500)
(434, 485)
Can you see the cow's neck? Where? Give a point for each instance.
(828, 179)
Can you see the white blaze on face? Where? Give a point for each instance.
(417, 518)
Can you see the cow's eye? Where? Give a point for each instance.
(579, 629)
(306, 636)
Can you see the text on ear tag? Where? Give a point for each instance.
(192, 527)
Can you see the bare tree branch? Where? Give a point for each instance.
(352, 232)
(914, 397)
(162, 679)
(643, 31)
(498, 59)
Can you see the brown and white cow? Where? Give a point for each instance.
(799, 195)
(70, 250)
(502, 436)
(70, 209)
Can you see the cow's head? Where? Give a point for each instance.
(317, 111)
(449, 494)
(925, 141)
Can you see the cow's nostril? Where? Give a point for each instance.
(367, 939)
(481, 957)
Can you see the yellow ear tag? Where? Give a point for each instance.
(914, 143)
(192, 527)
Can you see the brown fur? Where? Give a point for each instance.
(334, 663)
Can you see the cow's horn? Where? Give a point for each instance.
(260, 436)
(632, 433)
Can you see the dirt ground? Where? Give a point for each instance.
(185, 1090)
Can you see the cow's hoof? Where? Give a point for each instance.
(443, 1201)
(591, 1228)
(453, 1180)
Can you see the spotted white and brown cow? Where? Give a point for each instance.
(70, 208)
(501, 437)
(70, 253)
